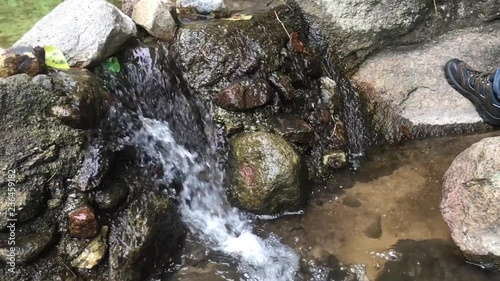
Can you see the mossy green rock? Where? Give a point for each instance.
(265, 174)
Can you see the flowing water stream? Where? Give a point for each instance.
(381, 220)
(171, 128)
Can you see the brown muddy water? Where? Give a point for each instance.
(360, 216)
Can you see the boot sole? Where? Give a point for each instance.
(481, 110)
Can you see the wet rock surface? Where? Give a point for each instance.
(143, 237)
(470, 201)
(28, 247)
(87, 101)
(294, 130)
(245, 95)
(25, 60)
(265, 174)
(86, 37)
(260, 50)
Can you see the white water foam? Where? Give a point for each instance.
(204, 209)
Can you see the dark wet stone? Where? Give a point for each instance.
(29, 247)
(374, 230)
(110, 196)
(144, 237)
(83, 223)
(245, 95)
(230, 51)
(22, 60)
(163, 93)
(432, 260)
(293, 129)
(351, 201)
(97, 161)
(283, 85)
(313, 67)
(87, 101)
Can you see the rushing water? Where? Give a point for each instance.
(167, 118)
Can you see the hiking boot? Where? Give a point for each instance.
(476, 86)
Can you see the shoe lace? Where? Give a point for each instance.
(482, 78)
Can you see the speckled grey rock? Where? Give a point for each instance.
(408, 91)
(85, 31)
(471, 192)
(203, 6)
(357, 28)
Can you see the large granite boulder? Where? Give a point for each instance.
(87, 32)
(265, 174)
(471, 192)
(416, 101)
(403, 86)
(357, 28)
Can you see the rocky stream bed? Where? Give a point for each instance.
(246, 140)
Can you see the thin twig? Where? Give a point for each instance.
(435, 7)
(284, 2)
(70, 270)
(282, 24)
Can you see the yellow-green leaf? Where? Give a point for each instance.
(54, 58)
(238, 17)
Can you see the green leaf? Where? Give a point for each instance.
(54, 58)
(112, 64)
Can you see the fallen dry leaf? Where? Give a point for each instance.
(238, 17)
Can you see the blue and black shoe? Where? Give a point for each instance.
(476, 86)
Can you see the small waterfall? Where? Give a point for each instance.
(167, 122)
(353, 111)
